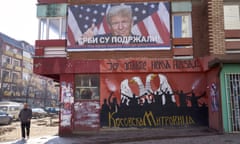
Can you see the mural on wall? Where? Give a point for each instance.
(153, 99)
(66, 99)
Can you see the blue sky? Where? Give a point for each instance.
(18, 19)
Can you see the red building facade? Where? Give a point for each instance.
(172, 82)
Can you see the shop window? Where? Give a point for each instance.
(231, 16)
(87, 87)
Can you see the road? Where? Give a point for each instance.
(39, 127)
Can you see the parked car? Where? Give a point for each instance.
(11, 108)
(39, 113)
(52, 110)
(5, 118)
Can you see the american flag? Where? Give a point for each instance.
(150, 19)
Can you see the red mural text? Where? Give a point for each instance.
(146, 65)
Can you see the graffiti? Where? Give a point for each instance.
(133, 113)
(151, 101)
(113, 66)
(135, 65)
(149, 120)
(181, 64)
(176, 64)
(214, 97)
(161, 64)
(150, 65)
(146, 93)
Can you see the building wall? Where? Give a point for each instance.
(216, 27)
(198, 41)
(182, 99)
(214, 101)
(20, 83)
(66, 102)
(207, 39)
(200, 28)
(170, 96)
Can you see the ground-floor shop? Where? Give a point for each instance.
(230, 90)
(139, 93)
(145, 93)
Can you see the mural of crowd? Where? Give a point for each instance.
(153, 108)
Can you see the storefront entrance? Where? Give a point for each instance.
(230, 89)
(233, 100)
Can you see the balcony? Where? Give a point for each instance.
(8, 53)
(50, 58)
(7, 80)
(17, 68)
(8, 66)
(50, 48)
(26, 70)
(18, 56)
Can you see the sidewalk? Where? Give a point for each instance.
(200, 135)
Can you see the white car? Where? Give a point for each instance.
(39, 113)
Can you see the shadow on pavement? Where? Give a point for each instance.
(22, 141)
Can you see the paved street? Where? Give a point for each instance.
(140, 136)
(39, 127)
(216, 139)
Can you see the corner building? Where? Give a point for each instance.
(179, 67)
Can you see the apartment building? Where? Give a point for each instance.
(179, 66)
(18, 82)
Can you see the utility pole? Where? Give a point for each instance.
(28, 85)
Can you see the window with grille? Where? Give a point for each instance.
(233, 100)
(87, 87)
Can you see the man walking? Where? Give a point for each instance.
(25, 116)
